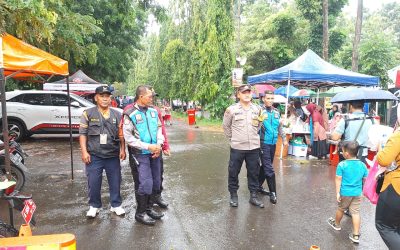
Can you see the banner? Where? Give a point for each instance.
(237, 77)
(72, 87)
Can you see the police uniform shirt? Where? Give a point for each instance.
(241, 126)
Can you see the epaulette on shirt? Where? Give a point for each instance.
(129, 111)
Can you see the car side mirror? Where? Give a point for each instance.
(75, 104)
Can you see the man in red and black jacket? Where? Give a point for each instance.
(165, 149)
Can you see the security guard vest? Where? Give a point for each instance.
(146, 123)
(270, 126)
(97, 125)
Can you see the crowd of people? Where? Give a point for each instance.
(253, 129)
(253, 132)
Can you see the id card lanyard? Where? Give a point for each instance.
(103, 136)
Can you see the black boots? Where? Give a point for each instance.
(263, 191)
(141, 215)
(159, 200)
(272, 189)
(149, 209)
(254, 200)
(234, 200)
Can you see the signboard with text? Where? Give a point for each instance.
(237, 77)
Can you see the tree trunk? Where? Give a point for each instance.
(325, 46)
(357, 36)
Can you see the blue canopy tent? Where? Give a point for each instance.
(310, 70)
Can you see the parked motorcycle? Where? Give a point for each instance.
(18, 202)
(17, 158)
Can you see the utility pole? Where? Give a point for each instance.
(238, 11)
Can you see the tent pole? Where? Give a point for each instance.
(286, 110)
(70, 130)
(5, 124)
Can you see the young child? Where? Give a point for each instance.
(350, 176)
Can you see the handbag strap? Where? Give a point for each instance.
(359, 129)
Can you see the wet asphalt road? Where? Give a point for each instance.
(199, 216)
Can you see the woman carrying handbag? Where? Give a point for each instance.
(387, 217)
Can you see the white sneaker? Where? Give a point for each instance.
(92, 212)
(118, 210)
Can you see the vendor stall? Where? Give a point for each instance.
(309, 70)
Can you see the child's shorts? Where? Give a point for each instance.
(350, 202)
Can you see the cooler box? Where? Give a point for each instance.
(298, 149)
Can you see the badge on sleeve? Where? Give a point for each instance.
(276, 115)
(153, 114)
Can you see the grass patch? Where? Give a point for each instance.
(199, 121)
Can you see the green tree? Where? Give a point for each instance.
(272, 37)
(216, 58)
(312, 11)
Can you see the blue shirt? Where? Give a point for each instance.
(353, 127)
(352, 172)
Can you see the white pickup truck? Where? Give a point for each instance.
(43, 112)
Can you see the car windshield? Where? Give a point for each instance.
(82, 100)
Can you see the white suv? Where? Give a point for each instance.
(43, 112)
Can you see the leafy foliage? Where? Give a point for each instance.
(312, 11)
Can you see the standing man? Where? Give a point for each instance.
(143, 134)
(355, 128)
(270, 128)
(241, 125)
(157, 198)
(102, 147)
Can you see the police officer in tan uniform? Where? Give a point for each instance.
(241, 125)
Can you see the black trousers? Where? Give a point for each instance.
(267, 160)
(387, 218)
(251, 157)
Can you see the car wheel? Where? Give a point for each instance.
(17, 129)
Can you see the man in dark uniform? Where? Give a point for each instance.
(142, 132)
(241, 125)
(270, 128)
(157, 198)
(102, 147)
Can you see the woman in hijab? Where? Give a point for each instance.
(319, 147)
(387, 216)
(334, 110)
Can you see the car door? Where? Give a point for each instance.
(60, 112)
(34, 107)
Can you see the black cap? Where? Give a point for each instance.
(268, 92)
(244, 88)
(102, 90)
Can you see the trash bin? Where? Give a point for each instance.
(191, 116)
